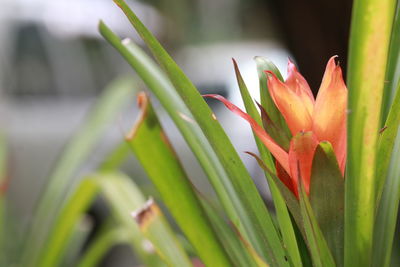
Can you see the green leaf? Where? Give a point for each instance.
(4, 180)
(155, 153)
(102, 243)
(77, 242)
(393, 67)
(368, 52)
(282, 214)
(327, 198)
(386, 143)
(290, 199)
(280, 133)
(387, 212)
(66, 222)
(116, 158)
(319, 250)
(76, 152)
(226, 171)
(231, 242)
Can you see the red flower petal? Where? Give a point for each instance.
(296, 82)
(301, 155)
(285, 178)
(329, 118)
(292, 107)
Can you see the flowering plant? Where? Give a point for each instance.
(331, 163)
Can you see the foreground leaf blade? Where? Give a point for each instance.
(319, 250)
(386, 143)
(327, 199)
(387, 214)
(393, 67)
(155, 153)
(284, 221)
(368, 51)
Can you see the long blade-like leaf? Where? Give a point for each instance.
(388, 211)
(52, 254)
(393, 67)
(283, 136)
(327, 198)
(155, 153)
(319, 250)
(102, 244)
(3, 188)
(284, 221)
(232, 244)
(386, 143)
(220, 161)
(368, 51)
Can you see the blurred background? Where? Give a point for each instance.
(54, 63)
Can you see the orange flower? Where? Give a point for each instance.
(310, 121)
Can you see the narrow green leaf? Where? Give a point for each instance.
(155, 153)
(393, 67)
(232, 244)
(386, 143)
(327, 199)
(283, 136)
(387, 212)
(368, 52)
(70, 216)
(116, 158)
(285, 223)
(77, 242)
(290, 199)
(60, 182)
(319, 250)
(102, 244)
(3, 187)
(226, 171)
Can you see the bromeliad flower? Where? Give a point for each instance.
(309, 120)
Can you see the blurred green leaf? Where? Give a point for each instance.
(211, 146)
(116, 158)
(327, 198)
(77, 242)
(67, 221)
(4, 180)
(155, 153)
(282, 214)
(102, 243)
(368, 53)
(114, 98)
